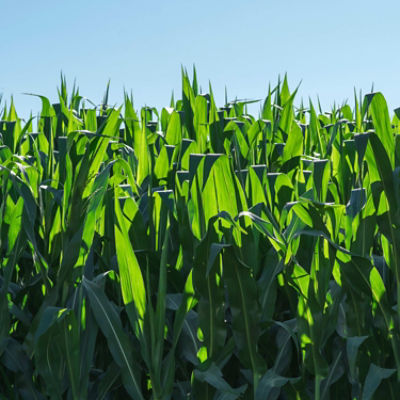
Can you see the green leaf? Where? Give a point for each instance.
(374, 378)
(270, 385)
(118, 342)
(294, 143)
(380, 117)
(132, 284)
(243, 302)
(213, 376)
(352, 346)
(174, 130)
(358, 198)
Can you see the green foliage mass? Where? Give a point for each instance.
(199, 252)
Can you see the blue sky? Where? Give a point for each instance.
(331, 47)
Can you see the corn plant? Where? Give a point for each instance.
(199, 252)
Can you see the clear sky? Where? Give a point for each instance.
(331, 47)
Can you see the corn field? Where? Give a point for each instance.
(199, 252)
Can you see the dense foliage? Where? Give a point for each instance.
(200, 252)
